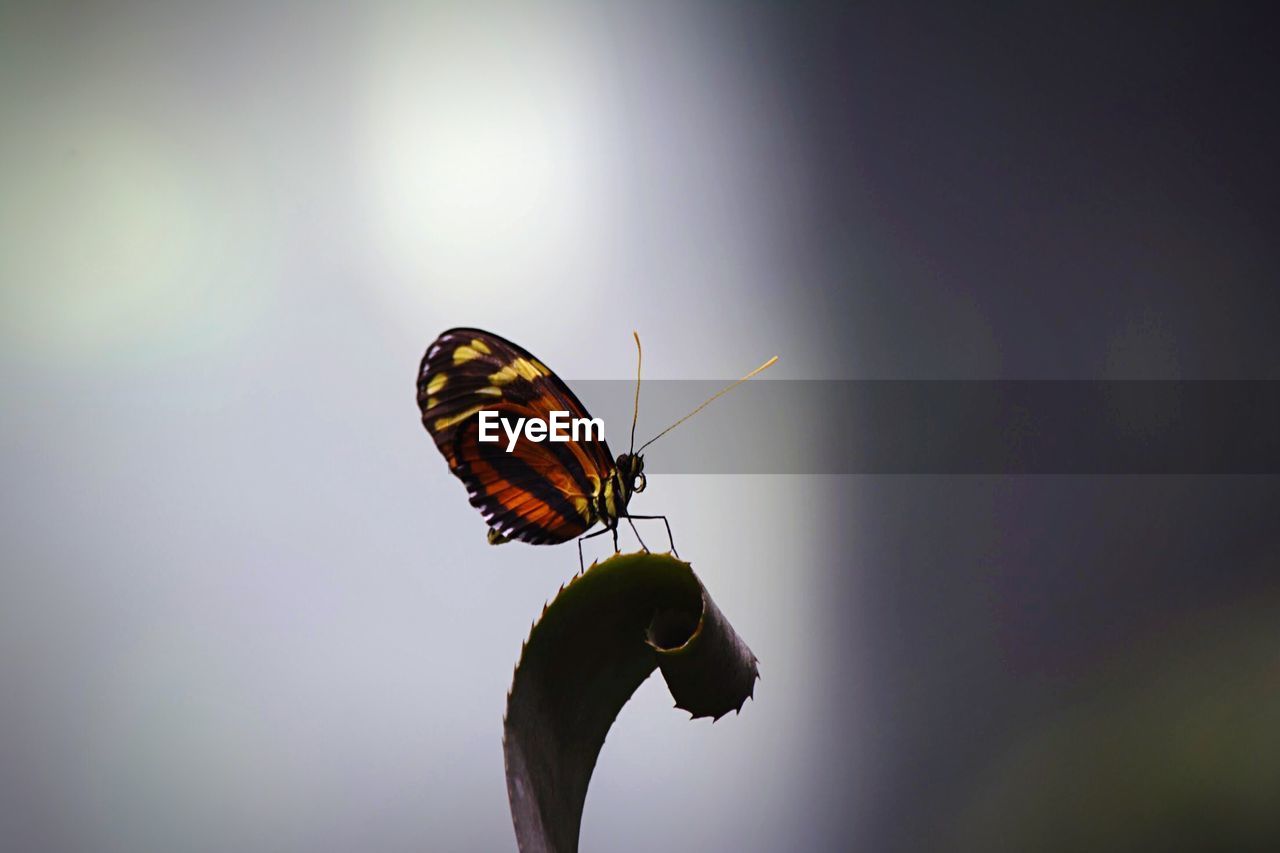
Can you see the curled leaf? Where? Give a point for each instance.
(596, 642)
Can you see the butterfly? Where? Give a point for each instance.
(537, 492)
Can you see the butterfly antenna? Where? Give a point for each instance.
(711, 400)
(636, 414)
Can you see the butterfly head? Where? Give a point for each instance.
(631, 471)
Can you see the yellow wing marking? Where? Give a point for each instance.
(521, 368)
(446, 422)
(437, 382)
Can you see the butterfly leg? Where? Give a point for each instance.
(670, 539)
(637, 533)
(581, 565)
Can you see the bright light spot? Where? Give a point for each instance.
(485, 146)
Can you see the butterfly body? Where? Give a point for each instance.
(541, 493)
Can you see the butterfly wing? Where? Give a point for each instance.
(542, 492)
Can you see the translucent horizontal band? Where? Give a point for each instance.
(950, 427)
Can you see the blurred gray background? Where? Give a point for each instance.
(244, 606)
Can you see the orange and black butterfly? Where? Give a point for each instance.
(539, 492)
